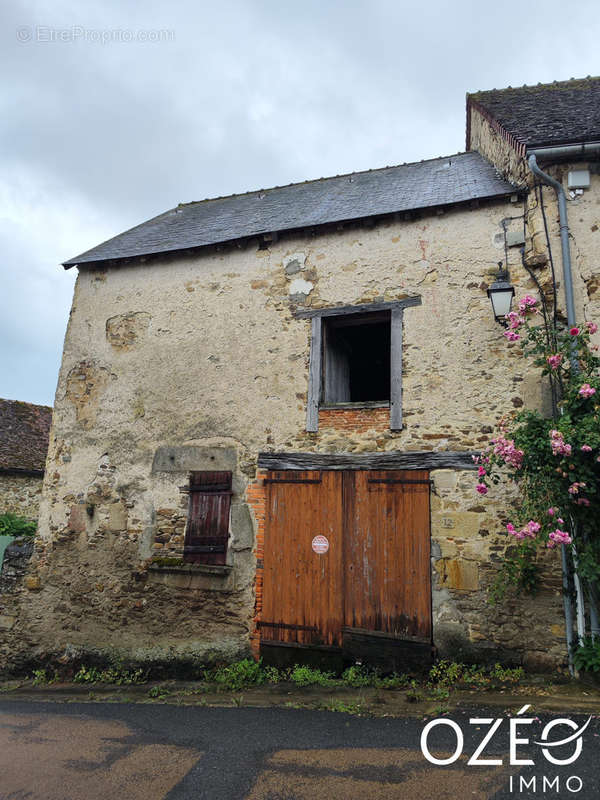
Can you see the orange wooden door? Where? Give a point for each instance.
(374, 577)
(387, 553)
(303, 589)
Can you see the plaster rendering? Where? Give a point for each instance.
(198, 361)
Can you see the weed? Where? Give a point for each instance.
(116, 674)
(414, 695)
(160, 691)
(587, 656)
(41, 677)
(238, 676)
(88, 675)
(340, 706)
(394, 681)
(274, 675)
(306, 676)
(358, 676)
(510, 675)
(446, 673)
(450, 673)
(238, 701)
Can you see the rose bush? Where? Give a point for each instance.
(555, 461)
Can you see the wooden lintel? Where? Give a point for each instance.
(425, 459)
(362, 308)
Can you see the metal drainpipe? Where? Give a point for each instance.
(568, 279)
(564, 235)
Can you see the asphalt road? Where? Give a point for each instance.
(88, 751)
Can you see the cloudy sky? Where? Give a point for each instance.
(114, 111)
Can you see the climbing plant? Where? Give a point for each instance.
(554, 461)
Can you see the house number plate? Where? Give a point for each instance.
(320, 544)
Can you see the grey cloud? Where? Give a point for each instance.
(246, 95)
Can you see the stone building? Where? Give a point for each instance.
(24, 431)
(268, 404)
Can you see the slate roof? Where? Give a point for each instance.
(24, 433)
(556, 113)
(424, 184)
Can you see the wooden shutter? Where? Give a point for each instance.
(207, 529)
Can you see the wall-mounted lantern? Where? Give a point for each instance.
(501, 293)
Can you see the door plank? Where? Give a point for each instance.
(303, 590)
(387, 553)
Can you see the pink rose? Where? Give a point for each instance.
(514, 320)
(587, 390)
(554, 361)
(559, 537)
(552, 511)
(481, 488)
(558, 444)
(481, 472)
(586, 448)
(526, 303)
(574, 331)
(511, 336)
(592, 327)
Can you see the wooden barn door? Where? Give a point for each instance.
(387, 567)
(347, 563)
(303, 587)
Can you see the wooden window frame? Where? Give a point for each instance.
(210, 495)
(315, 375)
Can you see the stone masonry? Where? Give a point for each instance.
(221, 351)
(198, 361)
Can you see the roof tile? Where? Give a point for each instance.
(556, 113)
(440, 181)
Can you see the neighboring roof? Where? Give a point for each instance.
(24, 433)
(556, 113)
(424, 184)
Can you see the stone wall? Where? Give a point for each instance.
(198, 363)
(14, 589)
(20, 494)
(494, 143)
